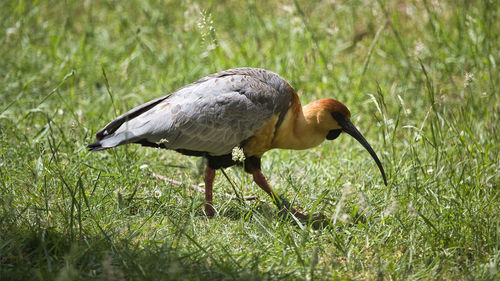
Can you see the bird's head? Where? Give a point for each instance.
(333, 118)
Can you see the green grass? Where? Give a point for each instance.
(403, 69)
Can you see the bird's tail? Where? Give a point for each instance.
(111, 141)
(96, 146)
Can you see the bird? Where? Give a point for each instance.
(252, 110)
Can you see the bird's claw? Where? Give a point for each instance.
(283, 203)
(285, 209)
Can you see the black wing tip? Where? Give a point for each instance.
(96, 146)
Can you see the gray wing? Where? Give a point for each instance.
(115, 124)
(212, 115)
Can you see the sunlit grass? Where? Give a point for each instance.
(421, 80)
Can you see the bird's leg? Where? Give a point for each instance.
(209, 181)
(261, 181)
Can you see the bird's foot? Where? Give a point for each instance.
(316, 221)
(209, 210)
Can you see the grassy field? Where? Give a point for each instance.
(420, 78)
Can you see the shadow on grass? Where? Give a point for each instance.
(38, 253)
(48, 254)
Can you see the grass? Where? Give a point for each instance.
(421, 79)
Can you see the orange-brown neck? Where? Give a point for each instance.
(305, 127)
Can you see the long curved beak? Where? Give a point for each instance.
(349, 128)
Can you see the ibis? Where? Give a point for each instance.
(249, 109)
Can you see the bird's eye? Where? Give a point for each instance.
(333, 134)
